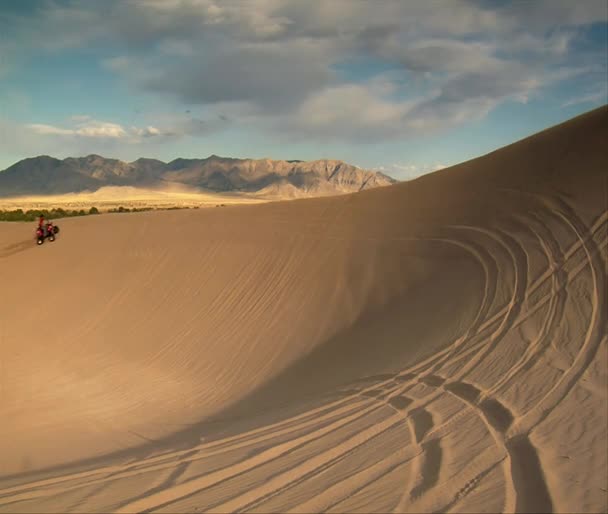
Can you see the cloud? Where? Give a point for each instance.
(85, 127)
(82, 134)
(444, 55)
(146, 132)
(349, 111)
(18, 140)
(368, 112)
(599, 96)
(281, 64)
(547, 14)
(49, 130)
(273, 75)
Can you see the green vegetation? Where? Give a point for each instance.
(32, 214)
(143, 209)
(53, 214)
(134, 209)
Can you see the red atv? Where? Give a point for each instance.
(46, 232)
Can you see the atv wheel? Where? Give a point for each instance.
(51, 238)
(39, 241)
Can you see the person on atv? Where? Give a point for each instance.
(41, 224)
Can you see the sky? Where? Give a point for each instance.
(406, 87)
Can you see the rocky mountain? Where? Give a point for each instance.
(47, 175)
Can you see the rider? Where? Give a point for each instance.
(41, 223)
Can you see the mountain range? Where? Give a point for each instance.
(44, 175)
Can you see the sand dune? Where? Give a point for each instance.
(112, 197)
(436, 345)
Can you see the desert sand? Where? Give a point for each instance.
(436, 345)
(113, 197)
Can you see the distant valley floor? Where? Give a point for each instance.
(112, 198)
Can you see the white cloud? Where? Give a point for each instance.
(146, 132)
(101, 129)
(86, 128)
(19, 140)
(442, 55)
(367, 113)
(172, 126)
(599, 96)
(348, 111)
(39, 128)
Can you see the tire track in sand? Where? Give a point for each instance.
(595, 331)
(199, 484)
(538, 282)
(557, 304)
(15, 248)
(322, 461)
(205, 450)
(519, 259)
(429, 459)
(578, 244)
(527, 490)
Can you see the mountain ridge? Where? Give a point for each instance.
(45, 174)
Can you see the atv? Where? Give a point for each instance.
(43, 233)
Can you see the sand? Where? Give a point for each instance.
(436, 345)
(113, 197)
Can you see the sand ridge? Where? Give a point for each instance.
(438, 345)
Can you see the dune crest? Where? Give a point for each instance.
(436, 345)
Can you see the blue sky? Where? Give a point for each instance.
(406, 87)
